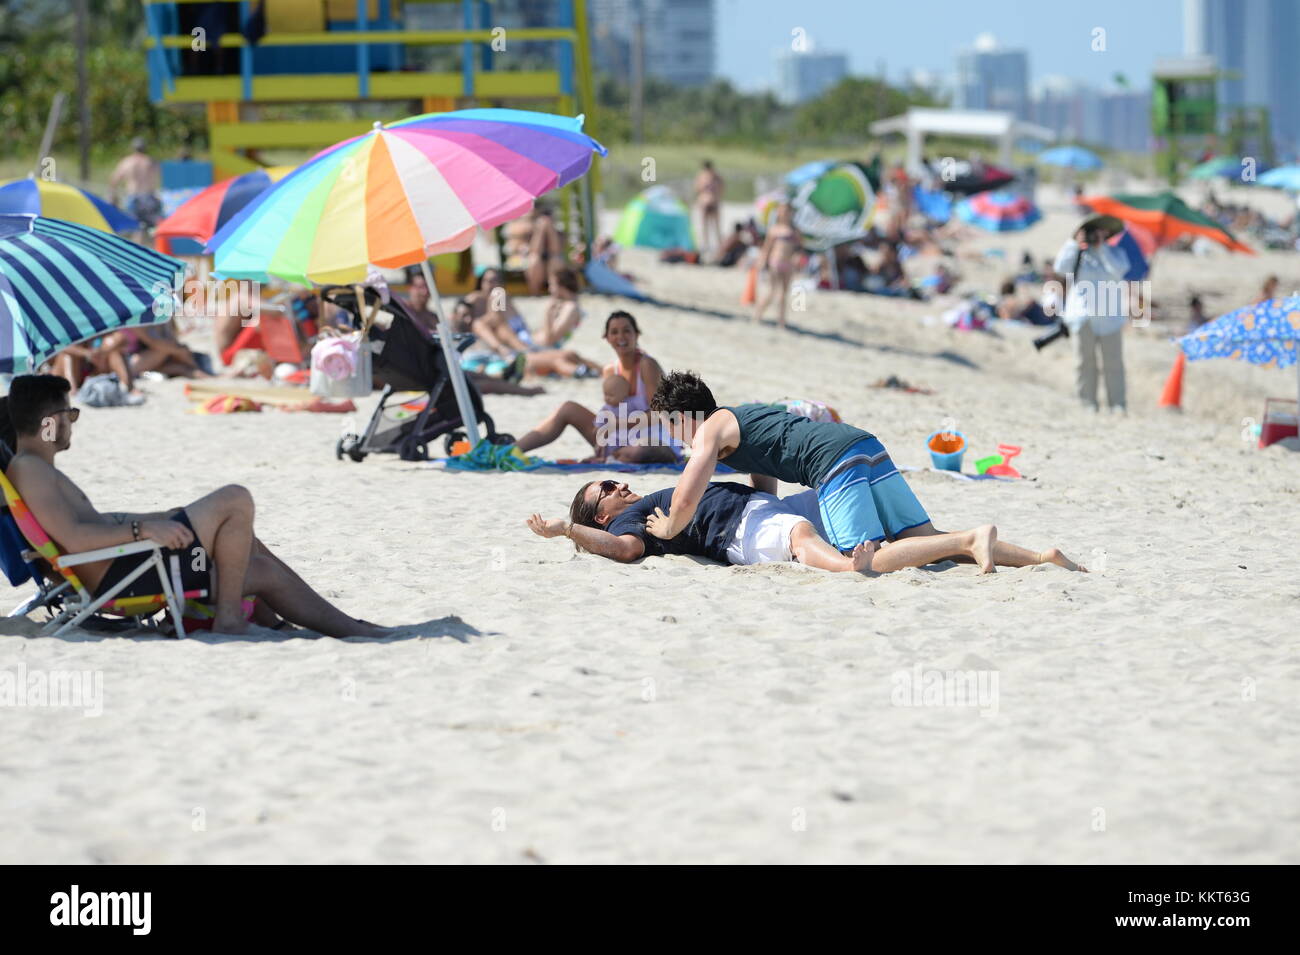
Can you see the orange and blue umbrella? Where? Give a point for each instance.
(200, 216)
(402, 192)
(57, 200)
(999, 211)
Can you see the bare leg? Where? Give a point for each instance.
(919, 550)
(765, 299)
(223, 521)
(785, 295)
(1004, 554)
(809, 548)
(569, 414)
(296, 602)
(644, 454)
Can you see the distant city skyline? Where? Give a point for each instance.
(1058, 39)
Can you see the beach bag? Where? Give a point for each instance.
(341, 367)
(103, 391)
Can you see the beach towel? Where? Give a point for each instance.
(226, 404)
(572, 467)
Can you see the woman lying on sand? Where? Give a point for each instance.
(737, 524)
(616, 430)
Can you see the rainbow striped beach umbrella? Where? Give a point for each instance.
(200, 216)
(401, 193)
(998, 211)
(57, 200)
(62, 283)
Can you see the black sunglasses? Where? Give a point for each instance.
(72, 413)
(606, 487)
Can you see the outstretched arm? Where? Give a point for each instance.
(624, 548)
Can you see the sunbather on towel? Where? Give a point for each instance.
(862, 497)
(213, 536)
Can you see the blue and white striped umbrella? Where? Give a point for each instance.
(62, 283)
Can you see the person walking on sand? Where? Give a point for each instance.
(1096, 307)
(777, 259)
(861, 495)
(708, 202)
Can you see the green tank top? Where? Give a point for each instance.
(788, 446)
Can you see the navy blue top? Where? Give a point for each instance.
(789, 447)
(710, 531)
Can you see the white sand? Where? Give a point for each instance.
(563, 708)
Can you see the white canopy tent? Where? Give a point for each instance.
(1001, 127)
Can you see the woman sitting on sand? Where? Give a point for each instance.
(623, 429)
(501, 328)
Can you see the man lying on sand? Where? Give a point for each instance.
(212, 536)
(860, 494)
(737, 524)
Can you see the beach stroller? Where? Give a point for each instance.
(407, 358)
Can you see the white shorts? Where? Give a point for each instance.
(763, 535)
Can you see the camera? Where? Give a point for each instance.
(1059, 331)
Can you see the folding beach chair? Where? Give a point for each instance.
(68, 599)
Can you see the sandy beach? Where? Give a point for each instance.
(541, 706)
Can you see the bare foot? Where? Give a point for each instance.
(983, 539)
(862, 555)
(1054, 556)
(364, 628)
(235, 625)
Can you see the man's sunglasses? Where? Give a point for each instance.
(72, 413)
(606, 487)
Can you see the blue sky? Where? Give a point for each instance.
(926, 34)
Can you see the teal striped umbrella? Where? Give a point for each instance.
(62, 283)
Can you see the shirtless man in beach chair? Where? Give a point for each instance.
(213, 533)
(737, 524)
(861, 496)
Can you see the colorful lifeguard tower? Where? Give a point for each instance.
(356, 51)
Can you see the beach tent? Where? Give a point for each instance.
(656, 219)
(997, 125)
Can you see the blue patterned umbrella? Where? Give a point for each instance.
(62, 283)
(1071, 157)
(1262, 334)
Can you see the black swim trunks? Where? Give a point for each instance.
(195, 568)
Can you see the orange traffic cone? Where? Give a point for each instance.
(1172, 396)
(750, 293)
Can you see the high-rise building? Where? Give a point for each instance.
(804, 76)
(678, 38)
(1117, 119)
(989, 77)
(1254, 42)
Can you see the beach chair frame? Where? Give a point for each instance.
(80, 603)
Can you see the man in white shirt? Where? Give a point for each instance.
(1096, 308)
